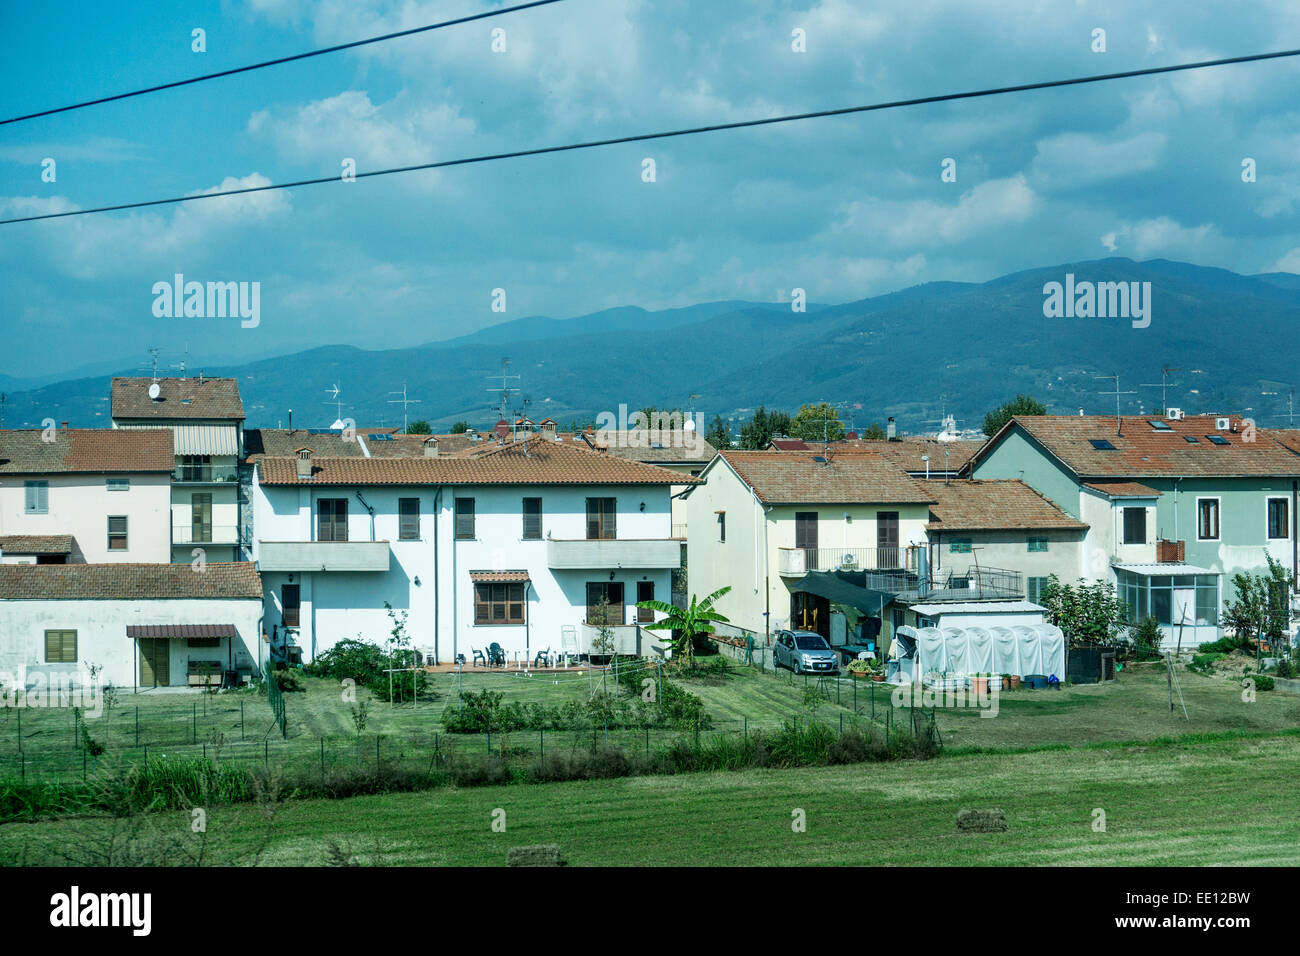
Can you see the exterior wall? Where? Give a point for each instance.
(1009, 550)
(80, 505)
(1018, 456)
(440, 608)
(225, 513)
(1105, 539)
(101, 633)
(739, 561)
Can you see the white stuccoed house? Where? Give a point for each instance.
(528, 545)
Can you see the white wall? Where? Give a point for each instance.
(101, 632)
(79, 505)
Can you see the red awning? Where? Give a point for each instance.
(180, 630)
(498, 577)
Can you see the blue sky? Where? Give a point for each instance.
(844, 208)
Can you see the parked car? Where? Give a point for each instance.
(804, 652)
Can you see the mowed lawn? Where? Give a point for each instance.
(1219, 802)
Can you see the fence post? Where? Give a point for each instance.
(541, 741)
(377, 753)
(195, 726)
(20, 729)
(266, 753)
(22, 761)
(137, 725)
(241, 719)
(322, 757)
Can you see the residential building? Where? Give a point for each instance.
(679, 449)
(761, 521)
(1174, 506)
(141, 625)
(82, 496)
(530, 544)
(205, 417)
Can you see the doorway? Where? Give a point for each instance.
(155, 661)
(809, 612)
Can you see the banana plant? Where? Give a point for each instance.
(686, 622)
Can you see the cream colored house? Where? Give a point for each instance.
(762, 519)
(205, 416)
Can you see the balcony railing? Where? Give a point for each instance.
(679, 532)
(585, 554)
(204, 476)
(974, 584)
(629, 639)
(207, 534)
(794, 562)
(323, 555)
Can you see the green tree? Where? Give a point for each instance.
(419, 428)
(1020, 405)
(779, 423)
(717, 434)
(817, 423)
(459, 428)
(756, 434)
(1087, 613)
(1261, 607)
(686, 623)
(874, 433)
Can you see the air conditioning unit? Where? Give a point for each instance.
(1174, 414)
(1222, 424)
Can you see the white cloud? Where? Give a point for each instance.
(927, 223)
(1070, 160)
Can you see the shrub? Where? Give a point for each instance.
(1146, 639)
(288, 680)
(1262, 681)
(357, 660)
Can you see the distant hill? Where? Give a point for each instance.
(959, 348)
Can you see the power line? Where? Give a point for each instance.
(690, 131)
(279, 60)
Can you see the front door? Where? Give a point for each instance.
(809, 612)
(805, 537)
(645, 591)
(155, 662)
(886, 539)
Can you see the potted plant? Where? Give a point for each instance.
(979, 684)
(1013, 681)
(860, 668)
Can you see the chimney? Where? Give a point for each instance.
(548, 428)
(502, 429)
(431, 447)
(303, 456)
(891, 430)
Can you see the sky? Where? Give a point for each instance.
(844, 208)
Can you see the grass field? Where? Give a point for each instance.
(1227, 802)
(238, 726)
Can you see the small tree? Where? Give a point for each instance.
(717, 435)
(817, 423)
(1020, 405)
(459, 428)
(419, 428)
(875, 433)
(1261, 607)
(686, 623)
(1087, 613)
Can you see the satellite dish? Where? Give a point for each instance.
(155, 391)
(689, 425)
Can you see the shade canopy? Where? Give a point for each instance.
(177, 631)
(838, 587)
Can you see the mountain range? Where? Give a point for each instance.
(939, 348)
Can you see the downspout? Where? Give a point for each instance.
(1295, 542)
(767, 585)
(437, 605)
(455, 632)
(528, 644)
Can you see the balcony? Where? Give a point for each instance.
(608, 554)
(205, 476)
(322, 556)
(796, 562)
(207, 534)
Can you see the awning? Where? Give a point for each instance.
(498, 577)
(177, 631)
(1155, 570)
(200, 439)
(834, 587)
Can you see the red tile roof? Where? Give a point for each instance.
(498, 577)
(994, 505)
(1123, 489)
(128, 582)
(1145, 451)
(798, 478)
(543, 463)
(134, 631)
(907, 452)
(36, 543)
(86, 450)
(187, 398)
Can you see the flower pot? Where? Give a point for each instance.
(1015, 681)
(860, 675)
(878, 678)
(1006, 683)
(979, 686)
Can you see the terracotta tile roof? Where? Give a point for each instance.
(96, 450)
(546, 463)
(282, 443)
(789, 444)
(1123, 489)
(127, 582)
(180, 398)
(907, 452)
(498, 577)
(994, 505)
(1145, 451)
(36, 543)
(675, 447)
(173, 631)
(797, 478)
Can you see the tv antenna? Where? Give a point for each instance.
(333, 391)
(404, 402)
(153, 366)
(506, 377)
(185, 357)
(1164, 384)
(3, 398)
(1119, 422)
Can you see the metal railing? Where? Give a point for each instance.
(794, 561)
(206, 534)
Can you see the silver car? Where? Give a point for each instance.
(804, 652)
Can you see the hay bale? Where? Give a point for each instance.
(991, 820)
(546, 854)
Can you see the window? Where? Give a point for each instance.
(959, 546)
(1034, 589)
(1159, 425)
(60, 647)
(1207, 519)
(605, 602)
(1191, 439)
(290, 604)
(201, 517)
(38, 497)
(532, 519)
(196, 467)
(1135, 525)
(601, 522)
(1101, 444)
(1278, 525)
(465, 519)
(805, 530)
(118, 484)
(722, 527)
(1037, 544)
(408, 519)
(332, 519)
(499, 604)
(1218, 440)
(117, 532)
(645, 591)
